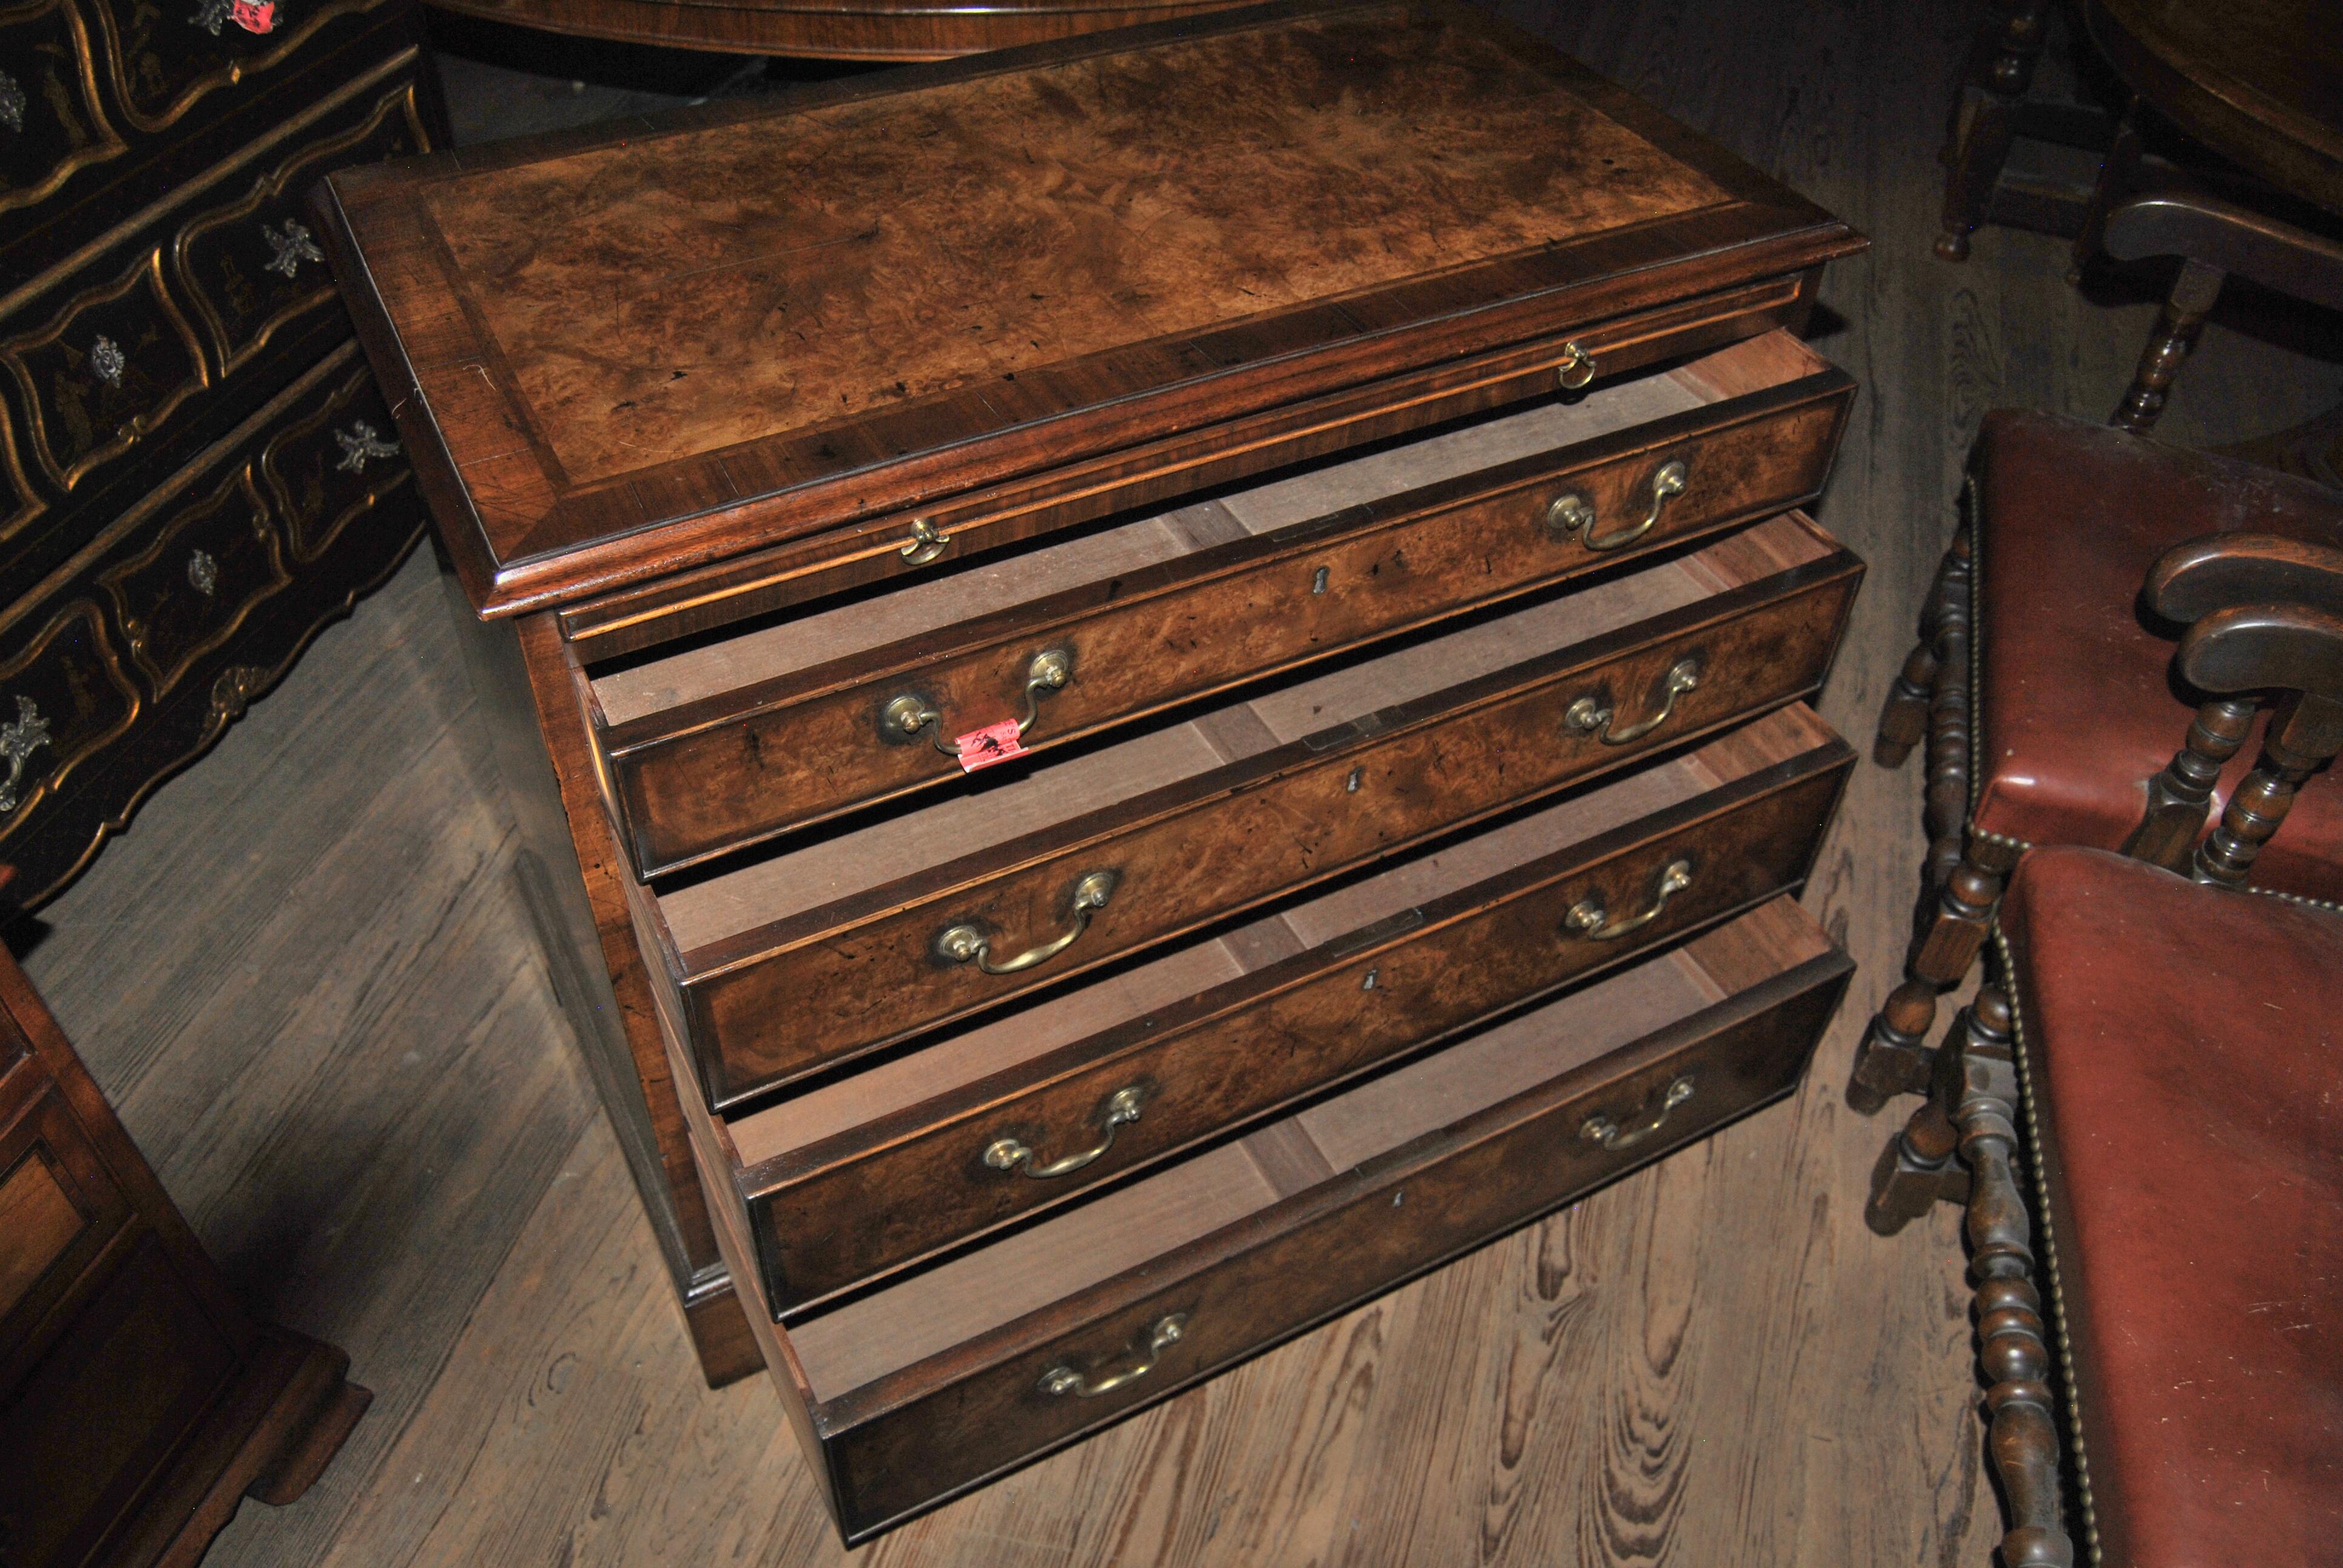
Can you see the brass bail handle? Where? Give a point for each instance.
(1062, 1380)
(906, 716)
(926, 543)
(1586, 917)
(1009, 1154)
(964, 943)
(1611, 1135)
(1571, 512)
(1587, 715)
(1575, 370)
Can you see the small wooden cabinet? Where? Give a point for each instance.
(1339, 470)
(196, 472)
(139, 1404)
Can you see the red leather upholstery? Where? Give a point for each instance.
(2186, 1050)
(2076, 709)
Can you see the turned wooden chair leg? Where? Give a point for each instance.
(1918, 1169)
(1985, 117)
(2168, 345)
(1893, 1058)
(1904, 721)
(1945, 795)
(2178, 797)
(2013, 1346)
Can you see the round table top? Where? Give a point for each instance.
(833, 30)
(2259, 80)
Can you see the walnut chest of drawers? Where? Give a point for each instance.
(1337, 469)
(196, 470)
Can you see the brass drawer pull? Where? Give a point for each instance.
(1576, 371)
(965, 943)
(1611, 1135)
(1586, 917)
(1573, 513)
(1008, 1154)
(926, 543)
(1588, 714)
(18, 741)
(907, 715)
(1062, 1380)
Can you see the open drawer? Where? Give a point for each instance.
(847, 1181)
(955, 1374)
(731, 743)
(802, 959)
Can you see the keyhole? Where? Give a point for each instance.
(1351, 785)
(1369, 983)
(1318, 580)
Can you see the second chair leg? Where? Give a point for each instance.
(1893, 1058)
(1904, 721)
(2012, 1339)
(2000, 73)
(2168, 346)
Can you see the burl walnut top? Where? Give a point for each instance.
(780, 317)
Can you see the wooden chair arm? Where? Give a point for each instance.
(2233, 238)
(2217, 571)
(2264, 617)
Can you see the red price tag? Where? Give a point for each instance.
(993, 743)
(254, 15)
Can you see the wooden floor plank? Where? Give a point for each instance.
(304, 976)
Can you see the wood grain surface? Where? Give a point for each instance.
(308, 984)
(754, 326)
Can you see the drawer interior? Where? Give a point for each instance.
(701, 912)
(640, 689)
(936, 1309)
(1003, 1044)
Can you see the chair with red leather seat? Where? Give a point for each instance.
(2046, 694)
(2166, 1052)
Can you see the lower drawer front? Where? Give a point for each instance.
(983, 1363)
(1384, 967)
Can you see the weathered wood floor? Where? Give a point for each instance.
(304, 977)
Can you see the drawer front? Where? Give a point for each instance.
(335, 464)
(250, 266)
(216, 554)
(65, 691)
(52, 118)
(919, 1181)
(777, 1004)
(729, 771)
(58, 1210)
(174, 66)
(104, 372)
(1324, 1251)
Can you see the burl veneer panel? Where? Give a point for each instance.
(653, 303)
